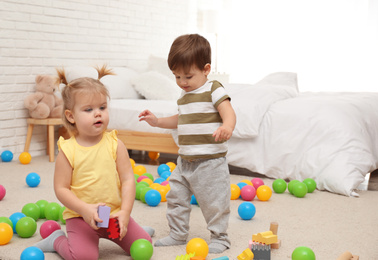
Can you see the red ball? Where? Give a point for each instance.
(257, 182)
(248, 193)
(48, 227)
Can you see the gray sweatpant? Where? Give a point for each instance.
(209, 181)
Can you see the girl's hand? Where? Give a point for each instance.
(223, 133)
(123, 222)
(90, 214)
(150, 118)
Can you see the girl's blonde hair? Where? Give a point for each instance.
(80, 85)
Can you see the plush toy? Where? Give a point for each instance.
(44, 103)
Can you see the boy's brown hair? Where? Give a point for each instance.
(188, 50)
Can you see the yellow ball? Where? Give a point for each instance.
(198, 246)
(153, 155)
(163, 190)
(149, 181)
(155, 186)
(171, 165)
(132, 162)
(264, 192)
(235, 191)
(24, 158)
(140, 169)
(247, 182)
(6, 233)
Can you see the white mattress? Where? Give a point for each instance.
(124, 114)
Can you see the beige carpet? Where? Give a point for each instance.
(327, 223)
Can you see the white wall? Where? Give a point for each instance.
(37, 36)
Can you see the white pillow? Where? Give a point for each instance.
(119, 85)
(160, 65)
(155, 86)
(251, 103)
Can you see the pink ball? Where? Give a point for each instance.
(164, 183)
(257, 182)
(248, 193)
(2, 192)
(48, 227)
(141, 178)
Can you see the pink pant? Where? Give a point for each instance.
(82, 240)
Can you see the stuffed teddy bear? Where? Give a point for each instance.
(44, 103)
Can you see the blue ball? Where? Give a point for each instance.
(153, 198)
(162, 168)
(193, 200)
(15, 217)
(32, 253)
(33, 179)
(7, 156)
(246, 210)
(159, 180)
(165, 175)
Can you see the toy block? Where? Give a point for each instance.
(103, 213)
(221, 258)
(185, 257)
(274, 229)
(197, 258)
(113, 228)
(348, 256)
(260, 251)
(246, 255)
(266, 237)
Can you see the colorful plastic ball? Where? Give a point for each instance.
(15, 217)
(299, 190)
(31, 210)
(165, 175)
(153, 198)
(33, 179)
(193, 200)
(235, 191)
(61, 215)
(148, 175)
(140, 169)
(162, 168)
(6, 156)
(303, 253)
(52, 211)
(143, 194)
(42, 205)
(159, 180)
(279, 186)
(26, 227)
(311, 184)
(198, 246)
(6, 220)
(163, 190)
(6, 233)
(291, 185)
(138, 189)
(241, 184)
(48, 227)
(171, 165)
(155, 186)
(246, 210)
(147, 180)
(257, 182)
(264, 193)
(248, 193)
(153, 155)
(141, 249)
(3, 191)
(132, 162)
(32, 253)
(140, 178)
(165, 183)
(25, 158)
(247, 182)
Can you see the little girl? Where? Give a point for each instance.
(92, 169)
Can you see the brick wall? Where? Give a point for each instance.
(37, 36)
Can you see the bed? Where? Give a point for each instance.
(280, 131)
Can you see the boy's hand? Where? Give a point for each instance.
(223, 133)
(123, 222)
(149, 117)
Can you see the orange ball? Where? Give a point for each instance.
(198, 246)
(163, 190)
(132, 162)
(6, 233)
(235, 191)
(171, 166)
(248, 182)
(153, 155)
(264, 192)
(140, 169)
(24, 158)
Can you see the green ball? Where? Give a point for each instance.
(26, 227)
(143, 194)
(61, 215)
(303, 253)
(52, 211)
(42, 205)
(31, 210)
(139, 187)
(291, 185)
(136, 176)
(141, 249)
(311, 184)
(299, 189)
(279, 186)
(6, 220)
(149, 175)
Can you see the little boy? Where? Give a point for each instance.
(205, 121)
